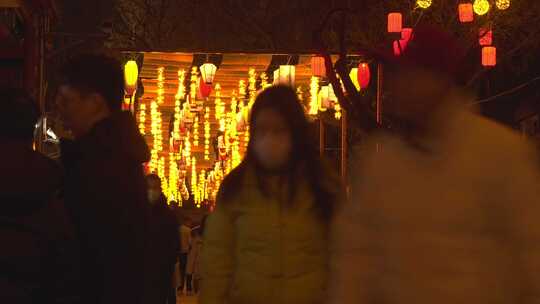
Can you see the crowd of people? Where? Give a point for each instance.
(443, 207)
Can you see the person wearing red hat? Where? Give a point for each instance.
(446, 208)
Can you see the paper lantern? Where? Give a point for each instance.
(204, 89)
(354, 77)
(481, 7)
(502, 4)
(399, 47)
(423, 3)
(395, 21)
(364, 75)
(489, 56)
(131, 74)
(466, 13)
(208, 71)
(485, 37)
(285, 75)
(406, 33)
(317, 66)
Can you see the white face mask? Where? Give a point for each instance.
(153, 196)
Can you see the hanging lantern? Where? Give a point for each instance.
(204, 89)
(406, 33)
(489, 56)
(481, 7)
(354, 78)
(285, 75)
(208, 71)
(326, 97)
(423, 3)
(364, 75)
(395, 21)
(317, 66)
(131, 74)
(466, 13)
(485, 37)
(502, 4)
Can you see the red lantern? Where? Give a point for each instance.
(406, 33)
(204, 89)
(466, 12)
(395, 22)
(489, 56)
(364, 75)
(317, 66)
(485, 37)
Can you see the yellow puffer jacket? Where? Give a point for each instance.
(258, 250)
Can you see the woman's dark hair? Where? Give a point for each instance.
(304, 161)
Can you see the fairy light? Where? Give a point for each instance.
(502, 4)
(300, 94)
(196, 131)
(314, 96)
(207, 133)
(173, 178)
(194, 176)
(264, 81)
(142, 118)
(155, 129)
(180, 94)
(423, 3)
(193, 83)
(337, 108)
(160, 80)
(252, 88)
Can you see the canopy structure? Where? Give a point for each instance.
(196, 140)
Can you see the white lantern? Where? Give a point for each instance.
(131, 75)
(208, 71)
(285, 75)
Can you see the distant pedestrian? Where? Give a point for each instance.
(105, 186)
(163, 242)
(185, 244)
(267, 240)
(193, 261)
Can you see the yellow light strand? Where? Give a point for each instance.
(207, 134)
(196, 131)
(160, 87)
(314, 96)
(142, 118)
(193, 85)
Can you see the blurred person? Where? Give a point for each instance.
(105, 188)
(163, 244)
(267, 240)
(446, 210)
(39, 256)
(185, 243)
(193, 261)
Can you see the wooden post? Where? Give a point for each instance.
(321, 137)
(344, 146)
(379, 93)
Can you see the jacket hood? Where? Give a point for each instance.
(117, 134)
(29, 179)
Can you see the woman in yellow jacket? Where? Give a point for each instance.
(267, 241)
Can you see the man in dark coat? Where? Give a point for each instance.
(105, 189)
(39, 257)
(164, 244)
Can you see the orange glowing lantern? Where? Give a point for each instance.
(364, 75)
(485, 37)
(395, 21)
(466, 12)
(317, 66)
(489, 56)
